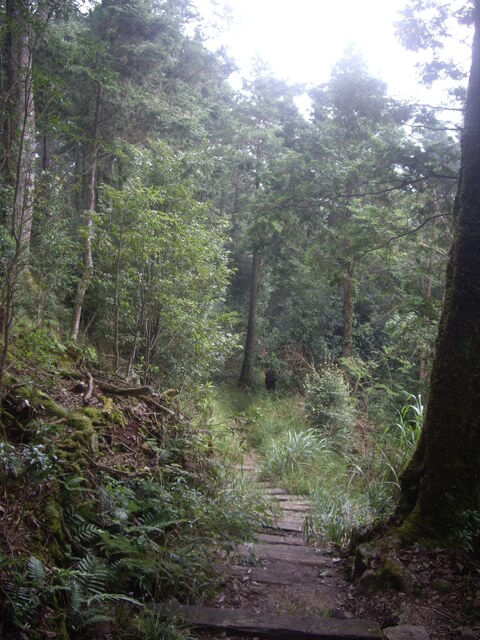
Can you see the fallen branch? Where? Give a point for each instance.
(88, 393)
(156, 405)
(114, 390)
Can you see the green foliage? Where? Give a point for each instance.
(466, 535)
(153, 626)
(409, 426)
(39, 347)
(328, 404)
(347, 486)
(336, 511)
(164, 273)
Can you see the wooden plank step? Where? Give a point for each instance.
(287, 525)
(279, 539)
(273, 625)
(266, 576)
(286, 553)
(294, 506)
(273, 491)
(286, 497)
(247, 468)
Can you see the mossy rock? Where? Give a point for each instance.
(391, 574)
(94, 415)
(369, 554)
(40, 399)
(75, 445)
(396, 576)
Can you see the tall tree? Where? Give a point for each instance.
(270, 118)
(441, 486)
(356, 161)
(23, 23)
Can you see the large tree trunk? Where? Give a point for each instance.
(246, 374)
(442, 482)
(87, 254)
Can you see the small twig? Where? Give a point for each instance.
(440, 613)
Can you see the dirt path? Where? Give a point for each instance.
(279, 586)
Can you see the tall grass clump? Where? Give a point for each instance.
(336, 511)
(290, 453)
(406, 431)
(271, 417)
(364, 487)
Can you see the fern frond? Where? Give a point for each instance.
(92, 574)
(36, 571)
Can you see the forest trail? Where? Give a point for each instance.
(279, 586)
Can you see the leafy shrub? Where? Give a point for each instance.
(328, 404)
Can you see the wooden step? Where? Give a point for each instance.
(275, 491)
(279, 539)
(286, 497)
(273, 625)
(294, 506)
(289, 524)
(286, 553)
(265, 576)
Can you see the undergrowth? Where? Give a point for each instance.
(351, 481)
(108, 506)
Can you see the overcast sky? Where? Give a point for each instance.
(302, 39)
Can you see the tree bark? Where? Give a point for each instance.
(87, 254)
(246, 374)
(442, 482)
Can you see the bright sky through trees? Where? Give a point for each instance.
(302, 39)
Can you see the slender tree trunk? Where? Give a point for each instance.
(25, 140)
(249, 352)
(442, 483)
(87, 254)
(116, 313)
(348, 292)
(78, 173)
(19, 144)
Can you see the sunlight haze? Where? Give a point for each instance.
(302, 39)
